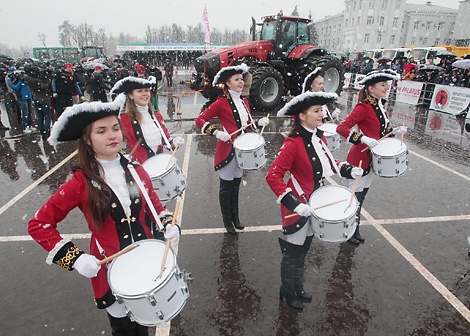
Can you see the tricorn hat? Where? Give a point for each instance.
(224, 74)
(71, 122)
(310, 78)
(379, 76)
(128, 84)
(305, 100)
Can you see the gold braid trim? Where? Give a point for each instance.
(356, 137)
(209, 129)
(167, 219)
(371, 99)
(70, 256)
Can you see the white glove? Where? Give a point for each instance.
(356, 171)
(178, 141)
(304, 210)
(54, 95)
(263, 121)
(401, 129)
(87, 265)
(223, 136)
(336, 113)
(369, 141)
(172, 233)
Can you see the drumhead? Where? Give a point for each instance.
(137, 272)
(156, 165)
(248, 141)
(330, 194)
(329, 128)
(389, 147)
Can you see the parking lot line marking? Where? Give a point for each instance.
(440, 165)
(35, 183)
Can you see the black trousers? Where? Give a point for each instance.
(123, 326)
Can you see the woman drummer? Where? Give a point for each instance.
(305, 155)
(233, 113)
(141, 121)
(373, 123)
(105, 190)
(315, 82)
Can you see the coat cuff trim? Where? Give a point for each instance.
(53, 252)
(279, 199)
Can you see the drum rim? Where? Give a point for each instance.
(174, 163)
(186, 296)
(356, 203)
(263, 143)
(163, 282)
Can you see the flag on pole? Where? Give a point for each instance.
(205, 21)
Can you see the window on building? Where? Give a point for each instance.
(381, 21)
(379, 37)
(346, 23)
(416, 26)
(398, 4)
(384, 4)
(392, 39)
(369, 20)
(440, 25)
(366, 38)
(352, 22)
(395, 22)
(425, 40)
(358, 20)
(360, 4)
(413, 40)
(428, 25)
(436, 41)
(354, 6)
(371, 4)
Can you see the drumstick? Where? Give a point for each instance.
(318, 207)
(174, 151)
(402, 135)
(386, 135)
(115, 255)
(241, 128)
(167, 247)
(354, 188)
(262, 130)
(135, 148)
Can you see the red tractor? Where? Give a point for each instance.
(279, 62)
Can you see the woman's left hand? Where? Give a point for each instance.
(401, 129)
(356, 171)
(263, 121)
(172, 232)
(178, 141)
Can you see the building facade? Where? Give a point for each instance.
(462, 25)
(369, 24)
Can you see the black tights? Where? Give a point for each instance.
(123, 326)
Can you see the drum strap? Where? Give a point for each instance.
(330, 156)
(298, 188)
(161, 131)
(146, 196)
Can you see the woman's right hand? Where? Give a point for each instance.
(369, 141)
(87, 265)
(223, 136)
(304, 210)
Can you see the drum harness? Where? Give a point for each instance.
(139, 183)
(161, 132)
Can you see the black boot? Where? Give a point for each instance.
(360, 198)
(123, 326)
(299, 274)
(290, 258)
(225, 193)
(234, 201)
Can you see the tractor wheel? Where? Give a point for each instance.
(333, 70)
(267, 88)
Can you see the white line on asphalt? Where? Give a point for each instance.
(440, 165)
(35, 183)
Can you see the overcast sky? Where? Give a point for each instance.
(22, 20)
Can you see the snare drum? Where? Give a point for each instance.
(333, 139)
(389, 158)
(135, 282)
(167, 182)
(335, 223)
(249, 151)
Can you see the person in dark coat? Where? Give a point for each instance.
(98, 85)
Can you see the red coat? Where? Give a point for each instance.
(371, 123)
(298, 156)
(111, 237)
(225, 109)
(132, 132)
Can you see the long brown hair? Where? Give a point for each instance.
(99, 193)
(131, 109)
(362, 93)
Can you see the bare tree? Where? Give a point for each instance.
(42, 38)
